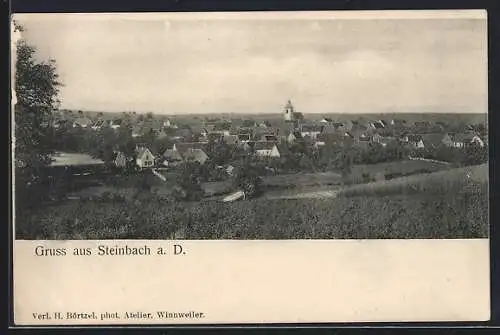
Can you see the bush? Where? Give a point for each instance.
(247, 179)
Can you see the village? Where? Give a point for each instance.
(286, 144)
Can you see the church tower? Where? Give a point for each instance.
(289, 112)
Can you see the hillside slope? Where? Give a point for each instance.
(448, 204)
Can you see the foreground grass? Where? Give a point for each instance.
(463, 215)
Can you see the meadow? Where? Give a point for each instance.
(302, 179)
(448, 204)
(388, 170)
(466, 180)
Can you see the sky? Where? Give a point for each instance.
(254, 63)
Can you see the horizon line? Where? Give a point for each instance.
(270, 113)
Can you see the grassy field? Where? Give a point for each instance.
(387, 170)
(216, 187)
(303, 179)
(455, 181)
(450, 204)
(124, 185)
(397, 216)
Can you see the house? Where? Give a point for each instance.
(73, 164)
(222, 129)
(443, 124)
(244, 131)
(208, 127)
(137, 131)
(268, 138)
(82, 122)
(169, 124)
(204, 132)
(355, 125)
(290, 114)
(161, 134)
(335, 138)
(375, 125)
(333, 127)
(215, 137)
(464, 128)
(120, 159)
(326, 120)
(380, 124)
(422, 125)
(97, 125)
(293, 137)
(311, 131)
(415, 141)
(248, 124)
(115, 124)
(387, 140)
(145, 157)
(436, 140)
(370, 125)
(376, 138)
(319, 144)
(265, 124)
(477, 140)
(231, 139)
(212, 120)
(364, 140)
(181, 132)
(349, 135)
(348, 125)
(194, 151)
(436, 128)
(172, 157)
(398, 122)
(339, 126)
(359, 135)
(183, 146)
(462, 140)
(66, 159)
(247, 146)
(242, 138)
(195, 155)
(266, 149)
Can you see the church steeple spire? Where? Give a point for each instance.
(289, 111)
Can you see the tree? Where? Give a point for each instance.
(246, 178)
(474, 154)
(37, 88)
(36, 85)
(149, 137)
(189, 183)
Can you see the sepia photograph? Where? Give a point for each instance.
(250, 168)
(249, 127)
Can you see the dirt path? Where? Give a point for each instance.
(321, 194)
(427, 160)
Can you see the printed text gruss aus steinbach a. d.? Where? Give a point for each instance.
(106, 250)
